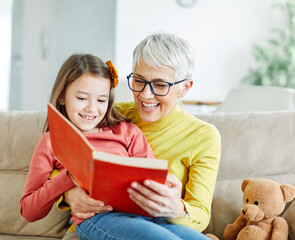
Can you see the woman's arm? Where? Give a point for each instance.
(193, 209)
(159, 200)
(203, 170)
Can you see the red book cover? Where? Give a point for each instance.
(104, 176)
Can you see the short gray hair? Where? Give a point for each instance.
(166, 50)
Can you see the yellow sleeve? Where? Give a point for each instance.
(60, 204)
(200, 186)
(198, 223)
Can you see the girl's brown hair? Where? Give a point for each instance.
(73, 68)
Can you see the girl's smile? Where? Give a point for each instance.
(87, 117)
(86, 101)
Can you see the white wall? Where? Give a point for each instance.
(35, 54)
(30, 60)
(5, 48)
(45, 34)
(220, 32)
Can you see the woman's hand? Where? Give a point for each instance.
(84, 206)
(159, 200)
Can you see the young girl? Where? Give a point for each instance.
(84, 93)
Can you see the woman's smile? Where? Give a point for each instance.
(152, 107)
(149, 106)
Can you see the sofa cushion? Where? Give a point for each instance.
(289, 215)
(253, 145)
(20, 132)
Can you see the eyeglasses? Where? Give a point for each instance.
(158, 87)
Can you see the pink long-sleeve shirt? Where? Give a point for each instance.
(41, 192)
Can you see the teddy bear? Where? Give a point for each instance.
(259, 219)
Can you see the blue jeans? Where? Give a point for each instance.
(126, 226)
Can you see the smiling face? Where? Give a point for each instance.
(151, 107)
(86, 101)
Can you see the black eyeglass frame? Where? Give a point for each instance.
(151, 87)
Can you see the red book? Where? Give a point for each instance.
(104, 176)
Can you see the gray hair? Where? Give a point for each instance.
(162, 50)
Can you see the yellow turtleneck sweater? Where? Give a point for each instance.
(192, 148)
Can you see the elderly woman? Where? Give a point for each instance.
(162, 73)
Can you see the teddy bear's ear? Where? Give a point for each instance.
(288, 192)
(245, 183)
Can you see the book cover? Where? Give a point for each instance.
(104, 176)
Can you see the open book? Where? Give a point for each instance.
(104, 176)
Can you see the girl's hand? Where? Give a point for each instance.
(159, 200)
(84, 206)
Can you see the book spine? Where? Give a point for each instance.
(91, 178)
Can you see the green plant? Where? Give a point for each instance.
(275, 63)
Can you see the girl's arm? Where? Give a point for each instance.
(40, 190)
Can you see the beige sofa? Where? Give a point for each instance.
(253, 145)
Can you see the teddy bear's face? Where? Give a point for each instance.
(262, 199)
